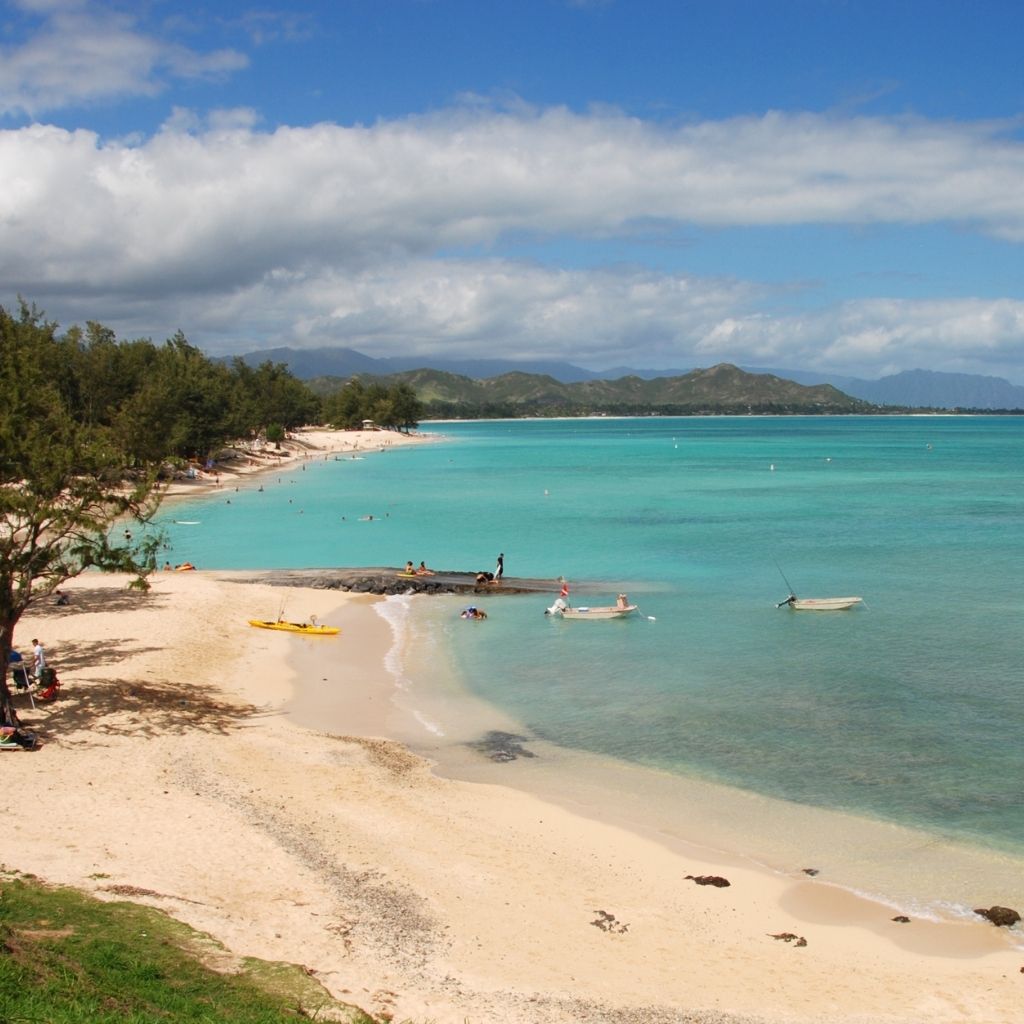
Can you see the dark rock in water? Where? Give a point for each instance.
(1002, 917)
(716, 880)
(502, 746)
(901, 919)
(811, 871)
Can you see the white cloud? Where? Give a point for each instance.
(334, 234)
(84, 53)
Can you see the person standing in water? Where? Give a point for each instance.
(499, 569)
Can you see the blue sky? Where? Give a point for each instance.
(811, 184)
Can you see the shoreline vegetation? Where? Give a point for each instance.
(172, 773)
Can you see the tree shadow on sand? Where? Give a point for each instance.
(95, 656)
(123, 707)
(118, 706)
(100, 599)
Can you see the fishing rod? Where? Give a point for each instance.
(789, 586)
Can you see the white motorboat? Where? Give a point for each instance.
(820, 604)
(619, 610)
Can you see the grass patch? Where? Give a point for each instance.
(66, 958)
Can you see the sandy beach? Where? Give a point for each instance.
(251, 459)
(173, 772)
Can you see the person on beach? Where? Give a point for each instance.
(499, 570)
(38, 659)
(18, 672)
(410, 569)
(424, 571)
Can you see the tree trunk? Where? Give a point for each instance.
(8, 716)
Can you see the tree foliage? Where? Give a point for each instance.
(393, 406)
(87, 424)
(63, 480)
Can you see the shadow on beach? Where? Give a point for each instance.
(100, 599)
(117, 706)
(124, 707)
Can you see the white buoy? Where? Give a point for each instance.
(772, 467)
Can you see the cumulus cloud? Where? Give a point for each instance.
(82, 53)
(872, 337)
(390, 237)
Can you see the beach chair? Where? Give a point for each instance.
(50, 684)
(22, 680)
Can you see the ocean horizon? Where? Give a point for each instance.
(889, 730)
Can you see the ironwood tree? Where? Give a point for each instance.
(65, 480)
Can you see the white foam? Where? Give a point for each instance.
(396, 611)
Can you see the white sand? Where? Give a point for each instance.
(307, 443)
(168, 766)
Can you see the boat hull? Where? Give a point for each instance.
(611, 612)
(824, 604)
(295, 627)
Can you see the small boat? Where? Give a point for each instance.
(619, 610)
(819, 604)
(309, 628)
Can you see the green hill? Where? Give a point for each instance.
(720, 389)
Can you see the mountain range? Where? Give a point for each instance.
(909, 389)
(719, 389)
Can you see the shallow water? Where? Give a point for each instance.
(906, 710)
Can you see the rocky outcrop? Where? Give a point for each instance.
(1002, 917)
(384, 580)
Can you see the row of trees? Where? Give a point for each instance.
(164, 401)
(88, 424)
(394, 406)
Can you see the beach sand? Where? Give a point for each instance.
(251, 459)
(172, 772)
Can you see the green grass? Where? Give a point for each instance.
(66, 958)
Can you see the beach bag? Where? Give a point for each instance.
(20, 675)
(21, 738)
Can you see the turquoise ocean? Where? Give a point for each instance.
(905, 714)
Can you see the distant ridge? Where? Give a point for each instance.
(909, 389)
(720, 389)
(921, 389)
(346, 362)
(929, 388)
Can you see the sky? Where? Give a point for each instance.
(824, 185)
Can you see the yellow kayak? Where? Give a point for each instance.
(296, 627)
